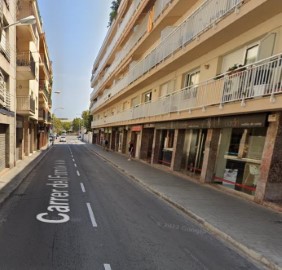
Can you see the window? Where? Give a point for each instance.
(167, 88)
(124, 107)
(134, 102)
(251, 55)
(147, 97)
(191, 81)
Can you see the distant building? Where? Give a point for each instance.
(197, 87)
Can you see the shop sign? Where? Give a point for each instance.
(96, 131)
(149, 125)
(242, 121)
(136, 128)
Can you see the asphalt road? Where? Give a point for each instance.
(75, 211)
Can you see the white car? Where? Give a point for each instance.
(63, 139)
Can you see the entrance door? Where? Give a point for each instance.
(197, 150)
(2, 147)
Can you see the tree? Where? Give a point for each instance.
(87, 119)
(57, 124)
(113, 14)
(76, 124)
(66, 126)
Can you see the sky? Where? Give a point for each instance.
(75, 31)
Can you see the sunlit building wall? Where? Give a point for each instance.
(196, 86)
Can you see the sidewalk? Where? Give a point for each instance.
(254, 229)
(11, 179)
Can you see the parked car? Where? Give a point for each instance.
(63, 139)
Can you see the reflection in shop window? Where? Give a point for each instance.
(239, 158)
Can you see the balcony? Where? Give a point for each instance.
(5, 46)
(200, 21)
(5, 99)
(115, 41)
(43, 116)
(25, 105)
(43, 90)
(45, 64)
(139, 31)
(25, 66)
(259, 84)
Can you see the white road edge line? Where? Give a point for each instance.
(107, 267)
(94, 224)
(82, 187)
(78, 173)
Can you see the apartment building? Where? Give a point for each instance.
(34, 82)
(196, 86)
(25, 83)
(7, 85)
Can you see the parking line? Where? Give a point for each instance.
(107, 267)
(77, 172)
(92, 217)
(82, 187)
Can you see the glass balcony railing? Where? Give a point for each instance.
(258, 80)
(202, 19)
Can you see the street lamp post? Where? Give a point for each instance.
(24, 21)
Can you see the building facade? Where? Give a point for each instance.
(34, 82)
(25, 83)
(7, 85)
(196, 86)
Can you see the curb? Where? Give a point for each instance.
(218, 233)
(17, 179)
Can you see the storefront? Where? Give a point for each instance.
(239, 157)
(237, 152)
(136, 139)
(193, 151)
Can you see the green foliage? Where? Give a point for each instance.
(87, 119)
(113, 13)
(57, 124)
(76, 124)
(67, 125)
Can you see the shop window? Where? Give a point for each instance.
(239, 158)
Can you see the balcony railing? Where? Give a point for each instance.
(134, 6)
(25, 59)
(139, 32)
(5, 98)
(261, 79)
(5, 46)
(43, 88)
(43, 115)
(25, 104)
(209, 13)
(45, 61)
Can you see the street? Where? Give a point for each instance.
(76, 211)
